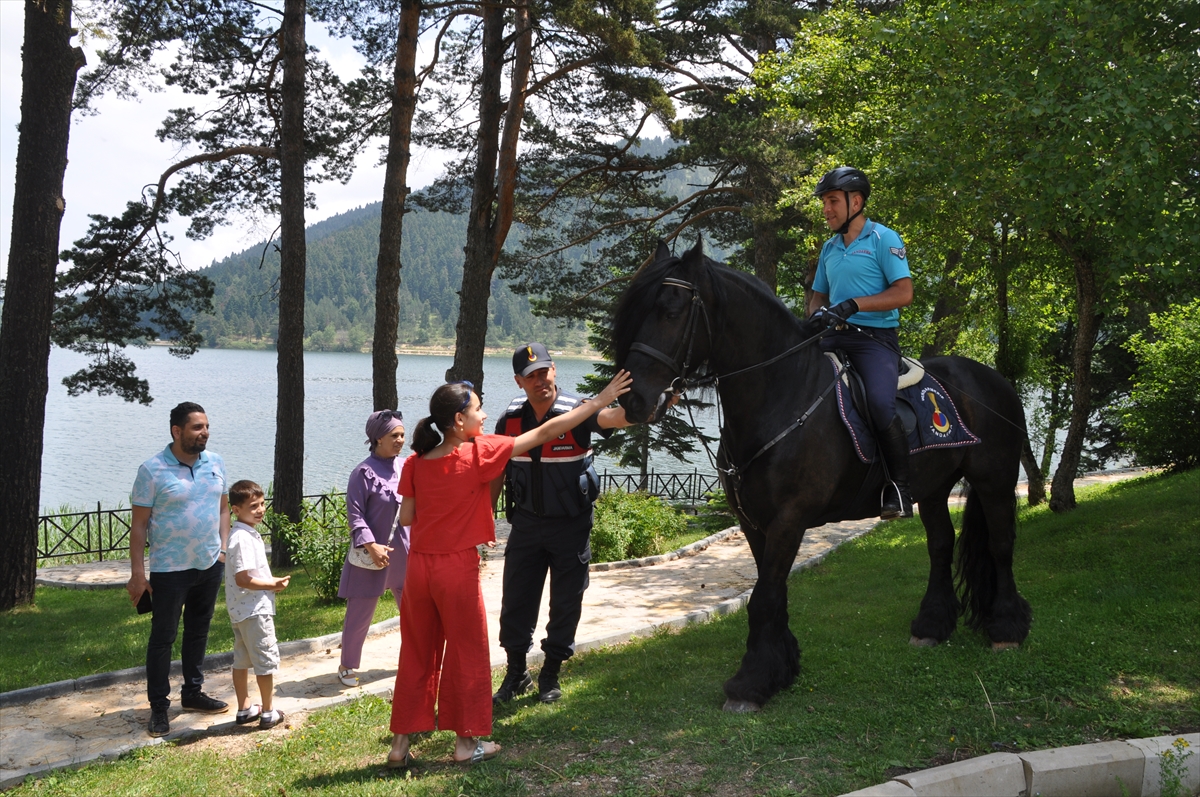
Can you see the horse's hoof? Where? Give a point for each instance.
(1005, 645)
(923, 642)
(741, 706)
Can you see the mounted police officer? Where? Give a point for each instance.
(549, 495)
(863, 274)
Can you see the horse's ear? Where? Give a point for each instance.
(663, 252)
(698, 249)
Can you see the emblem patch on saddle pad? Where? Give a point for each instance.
(938, 424)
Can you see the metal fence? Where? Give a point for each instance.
(105, 532)
(688, 488)
(94, 534)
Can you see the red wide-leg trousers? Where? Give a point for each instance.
(444, 659)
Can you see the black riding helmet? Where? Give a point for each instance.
(845, 179)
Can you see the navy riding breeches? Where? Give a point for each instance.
(875, 355)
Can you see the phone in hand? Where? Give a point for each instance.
(144, 605)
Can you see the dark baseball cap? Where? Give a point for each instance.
(530, 358)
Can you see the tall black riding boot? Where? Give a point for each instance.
(516, 680)
(548, 689)
(893, 445)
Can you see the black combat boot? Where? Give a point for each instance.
(893, 445)
(548, 690)
(516, 680)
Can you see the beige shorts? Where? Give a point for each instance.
(254, 645)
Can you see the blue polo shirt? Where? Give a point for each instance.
(185, 510)
(872, 262)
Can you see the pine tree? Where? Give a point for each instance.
(49, 67)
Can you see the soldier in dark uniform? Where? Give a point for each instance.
(549, 495)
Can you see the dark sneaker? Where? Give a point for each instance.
(204, 704)
(270, 719)
(159, 724)
(249, 715)
(514, 684)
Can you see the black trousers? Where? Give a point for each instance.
(194, 594)
(537, 546)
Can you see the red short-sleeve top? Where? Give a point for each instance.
(454, 501)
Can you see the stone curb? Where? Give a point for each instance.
(1131, 767)
(222, 661)
(214, 662)
(598, 567)
(646, 561)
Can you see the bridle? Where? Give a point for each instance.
(681, 383)
(680, 366)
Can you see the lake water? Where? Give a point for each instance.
(94, 444)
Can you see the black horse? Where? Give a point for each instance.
(690, 321)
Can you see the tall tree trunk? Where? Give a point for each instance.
(49, 67)
(1062, 487)
(289, 413)
(1035, 491)
(391, 223)
(947, 310)
(766, 251)
(1007, 365)
(493, 187)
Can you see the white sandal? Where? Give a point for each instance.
(348, 676)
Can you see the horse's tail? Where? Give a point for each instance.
(975, 580)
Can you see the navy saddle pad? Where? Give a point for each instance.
(930, 418)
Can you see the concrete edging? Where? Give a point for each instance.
(215, 662)
(1129, 767)
(646, 561)
(222, 661)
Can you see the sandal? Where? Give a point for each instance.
(404, 763)
(479, 754)
(348, 676)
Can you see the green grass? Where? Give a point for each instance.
(70, 633)
(1113, 653)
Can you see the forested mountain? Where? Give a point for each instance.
(340, 306)
(339, 313)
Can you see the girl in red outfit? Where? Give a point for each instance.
(446, 499)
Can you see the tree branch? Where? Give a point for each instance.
(650, 219)
(650, 258)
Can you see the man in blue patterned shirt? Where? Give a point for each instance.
(181, 509)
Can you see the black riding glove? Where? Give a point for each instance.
(841, 312)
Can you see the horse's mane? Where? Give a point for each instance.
(639, 298)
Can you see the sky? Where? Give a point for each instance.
(114, 154)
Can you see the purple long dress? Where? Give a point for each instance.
(371, 506)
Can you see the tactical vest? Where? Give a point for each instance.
(557, 479)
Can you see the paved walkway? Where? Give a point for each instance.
(104, 716)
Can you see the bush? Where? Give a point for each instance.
(318, 542)
(633, 525)
(1162, 420)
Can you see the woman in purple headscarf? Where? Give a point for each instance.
(371, 507)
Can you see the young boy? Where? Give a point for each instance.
(250, 597)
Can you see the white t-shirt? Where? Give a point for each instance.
(245, 551)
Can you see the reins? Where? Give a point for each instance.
(681, 384)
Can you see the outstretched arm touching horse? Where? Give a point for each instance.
(561, 424)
